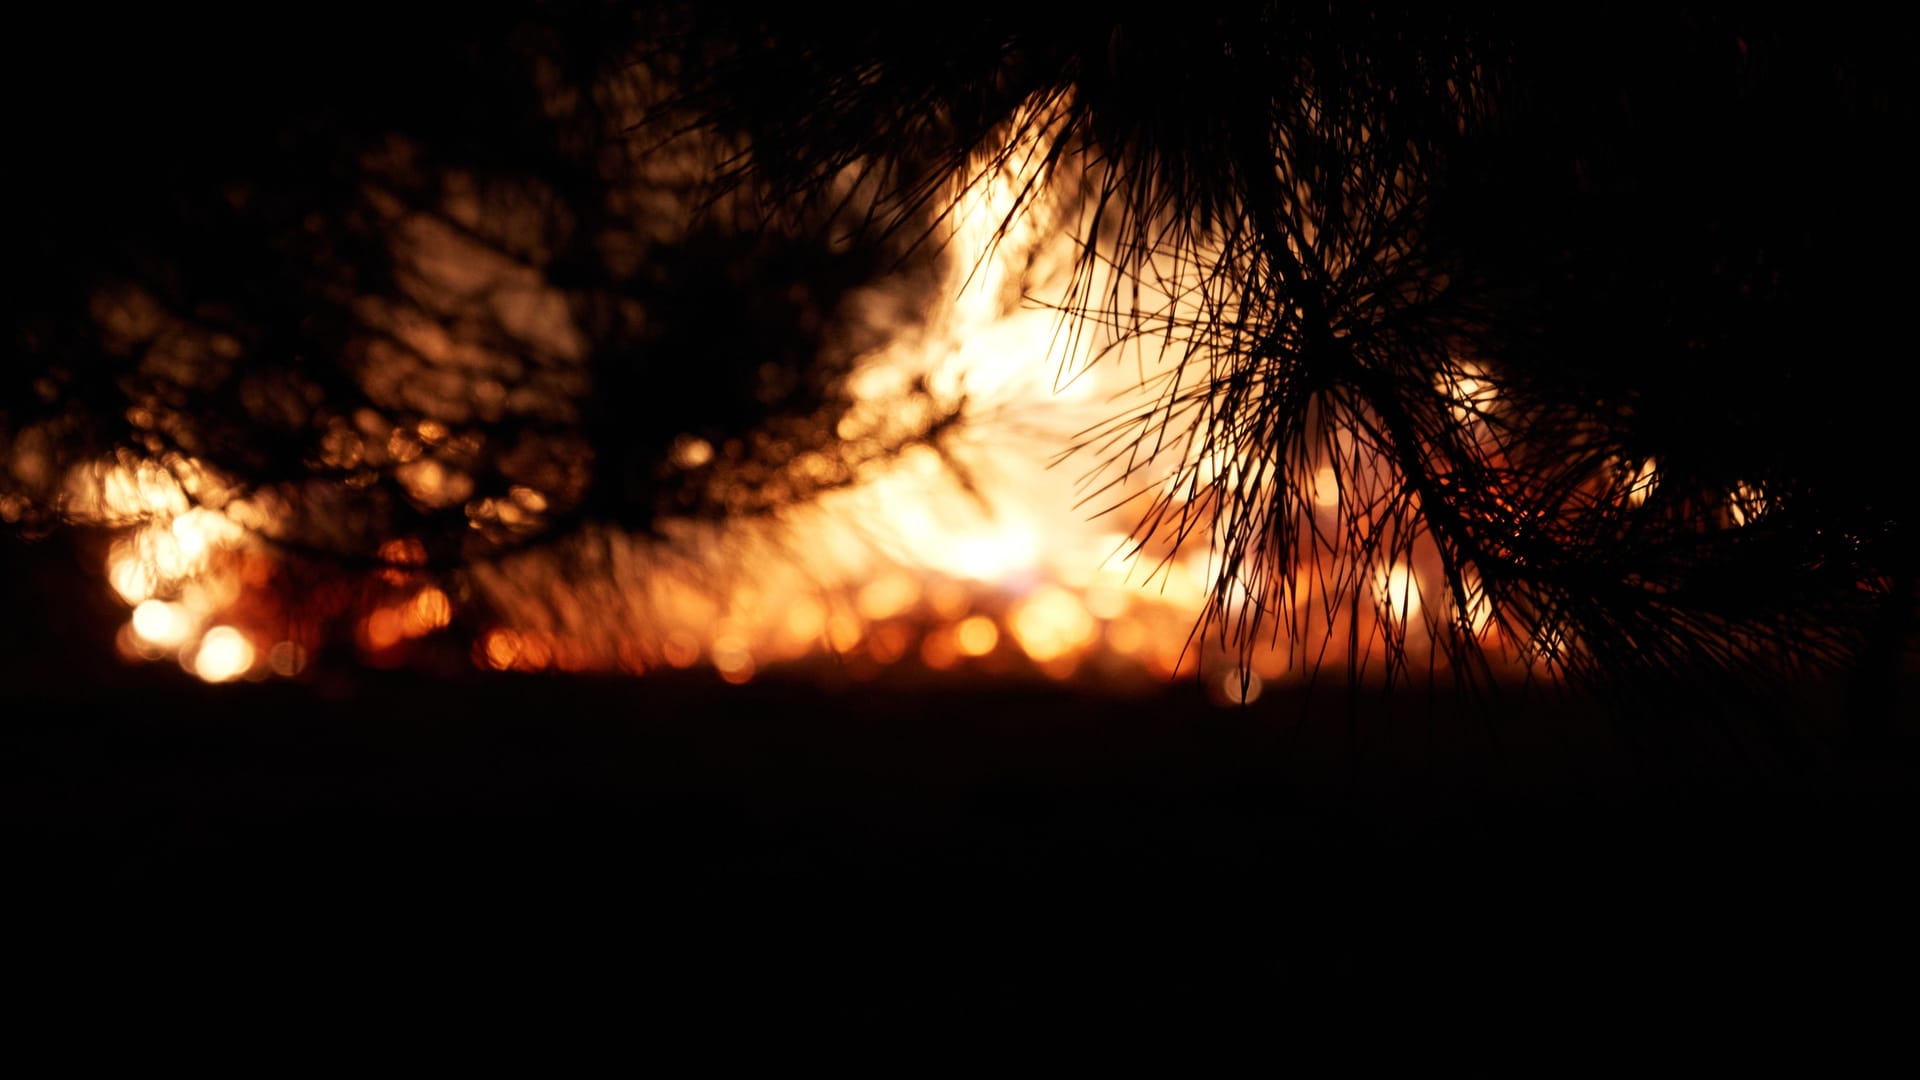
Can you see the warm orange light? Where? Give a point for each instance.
(632, 660)
(286, 658)
(939, 651)
(502, 648)
(889, 642)
(162, 624)
(902, 556)
(1397, 591)
(732, 657)
(888, 595)
(1106, 601)
(224, 655)
(844, 632)
(536, 652)
(1126, 636)
(131, 577)
(1472, 393)
(1644, 480)
(681, 649)
(1748, 503)
(1051, 624)
(690, 452)
(947, 599)
(976, 636)
(806, 620)
(404, 552)
(1236, 688)
(429, 610)
(1326, 487)
(383, 629)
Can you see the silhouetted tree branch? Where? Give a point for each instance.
(1589, 319)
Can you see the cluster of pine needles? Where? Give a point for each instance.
(1267, 201)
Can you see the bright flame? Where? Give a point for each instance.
(224, 655)
(1748, 504)
(1644, 480)
(1470, 390)
(1398, 591)
(1236, 688)
(1051, 624)
(1326, 487)
(429, 610)
(935, 555)
(162, 624)
(976, 636)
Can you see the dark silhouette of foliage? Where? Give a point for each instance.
(1592, 317)
(1640, 238)
(283, 261)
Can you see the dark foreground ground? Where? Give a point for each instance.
(904, 853)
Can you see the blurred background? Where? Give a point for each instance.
(798, 514)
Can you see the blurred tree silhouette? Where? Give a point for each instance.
(408, 263)
(1592, 314)
(1581, 309)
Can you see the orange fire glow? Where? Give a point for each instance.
(980, 554)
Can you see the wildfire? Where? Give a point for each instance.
(976, 554)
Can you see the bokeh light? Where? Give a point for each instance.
(224, 654)
(975, 553)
